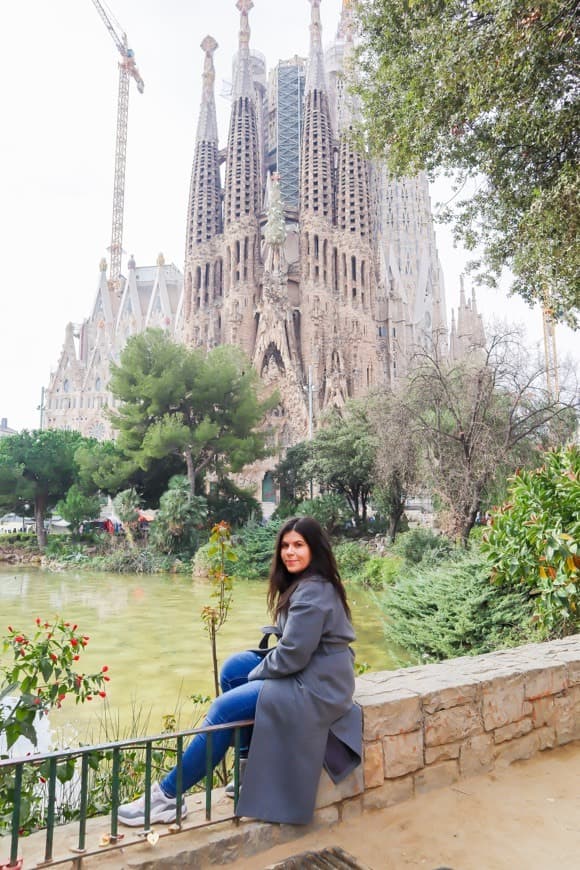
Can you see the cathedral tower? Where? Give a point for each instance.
(243, 199)
(203, 260)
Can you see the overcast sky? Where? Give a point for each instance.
(58, 68)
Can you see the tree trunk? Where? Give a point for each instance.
(397, 511)
(39, 513)
(467, 525)
(190, 470)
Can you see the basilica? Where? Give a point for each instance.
(299, 249)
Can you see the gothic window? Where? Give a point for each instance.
(66, 386)
(97, 385)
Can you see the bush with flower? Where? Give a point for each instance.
(37, 674)
(42, 675)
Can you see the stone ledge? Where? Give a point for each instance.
(424, 728)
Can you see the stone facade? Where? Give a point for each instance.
(329, 293)
(78, 393)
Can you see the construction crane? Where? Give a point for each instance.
(127, 68)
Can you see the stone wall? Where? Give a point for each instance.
(427, 727)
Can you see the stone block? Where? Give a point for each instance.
(567, 716)
(543, 712)
(433, 754)
(258, 839)
(476, 755)
(324, 817)
(545, 681)
(374, 771)
(564, 719)
(392, 792)
(573, 668)
(546, 737)
(513, 730)
(403, 753)
(456, 723)
(329, 793)
(351, 809)
(503, 702)
(451, 696)
(390, 713)
(436, 776)
(518, 749)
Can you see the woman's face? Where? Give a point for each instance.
(295, 552)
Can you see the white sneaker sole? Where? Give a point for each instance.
(159, 818)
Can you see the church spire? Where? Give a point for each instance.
(317, 165)
(346, 23)
(204, 214)
(244, 83)
(315, 77)
(243, 193)
(207, 129)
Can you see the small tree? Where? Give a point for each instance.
(179, 519)
(534, 540)
(480, 418)
(77, 507)
(38, 467)
(292, 474)
(343, 457)
(397, 457)
(179, 401)
(127, 504)
(214, 616)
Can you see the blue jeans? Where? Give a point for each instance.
(237, 702)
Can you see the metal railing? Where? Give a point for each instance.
(86, 758)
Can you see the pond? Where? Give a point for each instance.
(148, 630)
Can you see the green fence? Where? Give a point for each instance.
(85, 760)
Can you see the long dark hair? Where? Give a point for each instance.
(282, 583)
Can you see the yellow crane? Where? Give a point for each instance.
(127, 69)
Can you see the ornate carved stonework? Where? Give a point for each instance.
(328, 294)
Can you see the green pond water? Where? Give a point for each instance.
(148, 630)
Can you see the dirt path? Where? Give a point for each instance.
(523, 817)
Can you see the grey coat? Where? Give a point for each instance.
(305, 716)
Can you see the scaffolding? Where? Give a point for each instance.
(290, 80)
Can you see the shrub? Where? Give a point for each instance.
(380, 571)
(534, 540)
(20, 539)
(453, 609)
(331, 511)
(137, 561)
(232, 504)
(39, 678)
(417, 544)
(175, 529)
(254, 550)
(351, 558)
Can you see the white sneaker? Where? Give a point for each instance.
(230, 790)
(163, 809)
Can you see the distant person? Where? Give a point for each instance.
(300, 694)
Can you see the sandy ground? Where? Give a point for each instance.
(523, 817)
